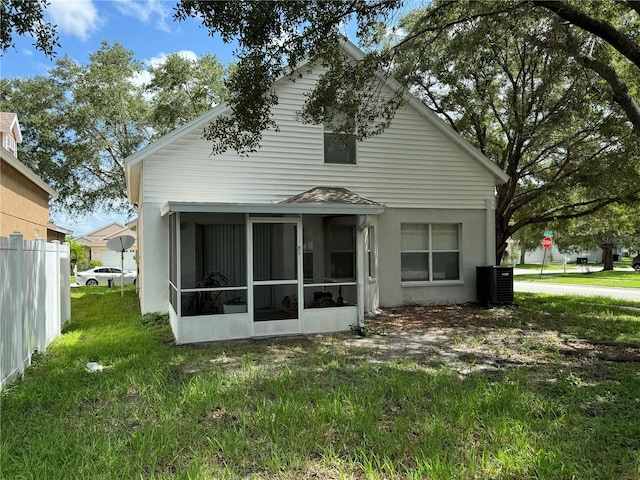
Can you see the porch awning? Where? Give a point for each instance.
(317, 201)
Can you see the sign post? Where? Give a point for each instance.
(547, 243)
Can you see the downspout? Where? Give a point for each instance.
(490, 253)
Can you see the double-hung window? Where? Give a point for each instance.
(430, 252)
(338, 147)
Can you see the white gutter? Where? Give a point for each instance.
(266, 208)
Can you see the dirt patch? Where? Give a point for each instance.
(467, 338)
(471, 338)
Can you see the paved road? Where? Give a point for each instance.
(632, 294)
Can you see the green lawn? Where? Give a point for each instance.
(305, 408)
(616, 278)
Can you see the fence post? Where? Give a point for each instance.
(17, 246)
(42, 294)
(56, 282)
(66, 284)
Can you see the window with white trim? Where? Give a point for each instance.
(338, 147)
(11, 144)
(430, 252)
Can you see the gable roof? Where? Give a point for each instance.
(101, 234)
(133, 163)
(58, 228)
(9, 123)
(436, 121)
(82, 239)
(118, 233)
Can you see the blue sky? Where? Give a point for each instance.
(144, 26)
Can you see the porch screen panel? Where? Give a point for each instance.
(274, 248)
(224, 252)
(173, 263)
(262, 252)
(274, 260)
(332, 242)
(340, 248)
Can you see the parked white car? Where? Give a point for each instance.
(102, 275)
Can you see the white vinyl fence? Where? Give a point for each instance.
(35, 301)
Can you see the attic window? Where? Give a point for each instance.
(11, 144)
(338, 147)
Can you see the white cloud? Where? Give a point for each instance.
(27, 52)
(141, 78)
(144, 77)
(75, 17)
(147, 10)
(162, 57)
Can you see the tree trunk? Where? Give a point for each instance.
(500, 251)
(607, 256)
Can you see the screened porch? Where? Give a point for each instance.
(240, 275)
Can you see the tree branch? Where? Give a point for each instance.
(624, 44)
(621, 94)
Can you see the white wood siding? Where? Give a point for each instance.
(412, 164)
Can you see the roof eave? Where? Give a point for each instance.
(498, 173)
(176, 134)
(13, 161)
(271, 208)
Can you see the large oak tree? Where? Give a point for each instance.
(548, 90)
(81, 121)
(602, 36)
(543, 120)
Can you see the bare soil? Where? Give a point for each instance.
(467, 338)
(471, 338)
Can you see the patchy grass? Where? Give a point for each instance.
(326, 407)
(616, 278)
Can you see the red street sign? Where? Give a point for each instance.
(547, 242)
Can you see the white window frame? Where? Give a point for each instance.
(328, 130)
(11, 144)
(430, 251)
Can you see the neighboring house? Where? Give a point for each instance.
(56, 232)
(95, 244)
(24, 197)
(307, 235)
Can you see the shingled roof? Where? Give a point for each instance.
(337, 195)
(9, 123)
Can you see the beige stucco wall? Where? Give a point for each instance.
(24, 207)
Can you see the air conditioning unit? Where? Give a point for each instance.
(494, 285)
